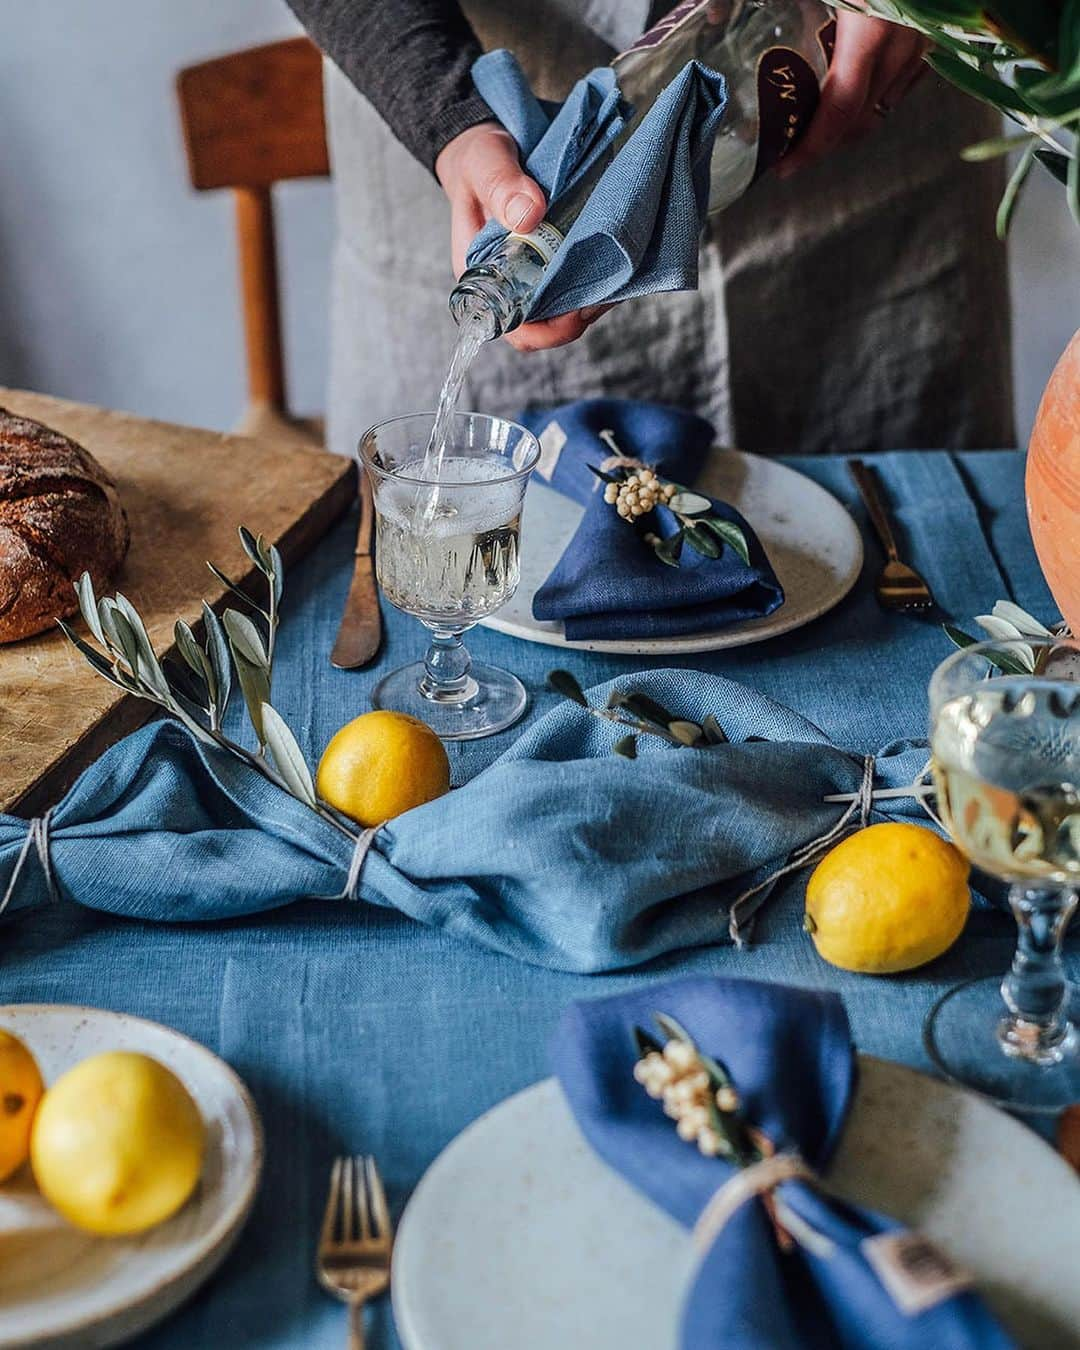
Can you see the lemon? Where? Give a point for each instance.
(20, 1091)
(888, 898)
(382, 764)
(117, 1144)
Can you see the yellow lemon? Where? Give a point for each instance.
(382, 764)
(890, 897)
(117, 1144)
(20, 1091)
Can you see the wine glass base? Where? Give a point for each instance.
(962, 1035)
(493, 701)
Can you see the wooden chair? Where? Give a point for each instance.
(250, 120)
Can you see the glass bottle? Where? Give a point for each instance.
(774, 55)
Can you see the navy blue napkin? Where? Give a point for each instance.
(790, 1057)
(609, 582)
(638, 232)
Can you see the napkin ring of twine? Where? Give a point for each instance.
(37, 839)
(761, 1180)
(857, 816)
(361, 848)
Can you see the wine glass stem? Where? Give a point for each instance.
(1035, 989)
(446, 669)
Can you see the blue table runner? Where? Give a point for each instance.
(357, 1029)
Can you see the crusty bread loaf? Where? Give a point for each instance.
(60, 516)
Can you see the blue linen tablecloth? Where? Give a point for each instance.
(363, 1031)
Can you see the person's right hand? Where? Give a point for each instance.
(481, 174)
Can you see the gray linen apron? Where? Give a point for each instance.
(861, 305)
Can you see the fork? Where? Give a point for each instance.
(899, 586)
(354, 1246)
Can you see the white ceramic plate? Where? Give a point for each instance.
(812, 542)
(518, 1235)
(60, 1287)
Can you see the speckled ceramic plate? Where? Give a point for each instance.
(63, 1288)
(810, 539)
(518, 1235)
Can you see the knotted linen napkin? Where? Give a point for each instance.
(638, 232)
(560, 853)
(609, 583)
(790, 1058)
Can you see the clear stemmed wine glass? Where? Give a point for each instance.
(1005, 739)
(447, 553)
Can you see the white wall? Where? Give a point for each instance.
(117, 282)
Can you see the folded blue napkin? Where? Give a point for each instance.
(533, 857)
(790, 1059)
(638, 232)
(609, 583)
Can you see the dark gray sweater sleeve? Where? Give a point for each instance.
(410, 58)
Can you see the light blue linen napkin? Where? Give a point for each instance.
(790, 1058)
(638, 232)
(561, 853)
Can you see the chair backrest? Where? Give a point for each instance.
(252, 119)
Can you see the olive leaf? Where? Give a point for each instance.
(245, 639)
(701, 541)
(84, 589)
(641, 705)
(731, 534)
(686, 733)
(562, 682)
(689, 504)
(288, 757)
(104, 668)
(669, 550)
(673, 1030)
(217, 653)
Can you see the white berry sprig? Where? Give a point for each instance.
(635, 490)
(697, 1093)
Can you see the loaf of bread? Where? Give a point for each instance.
(60, 516)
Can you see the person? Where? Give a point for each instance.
(854, 299)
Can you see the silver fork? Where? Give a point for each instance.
(899, 586)
(354, 1246)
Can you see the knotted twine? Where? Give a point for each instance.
(37, 837)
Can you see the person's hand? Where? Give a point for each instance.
(874, 65)
(482, 176)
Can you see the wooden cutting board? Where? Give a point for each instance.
(185, 492)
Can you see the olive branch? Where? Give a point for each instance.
(196, 690)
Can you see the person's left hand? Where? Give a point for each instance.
(874, 65)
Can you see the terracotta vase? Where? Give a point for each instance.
(1053, 484)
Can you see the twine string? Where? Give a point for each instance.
(856, 815)
(761, 1179)
(356, 863)
(37, 840)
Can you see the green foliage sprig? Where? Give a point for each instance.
(643, 714)
(1021, 57)
(197, 688)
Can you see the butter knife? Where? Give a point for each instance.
(361, 623)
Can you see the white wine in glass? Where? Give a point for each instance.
(1005, 738)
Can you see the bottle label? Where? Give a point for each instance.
(545, 239)
(788, 95)
(663, 29)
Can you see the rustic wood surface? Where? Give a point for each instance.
(185, 492)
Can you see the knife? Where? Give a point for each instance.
(361, 623)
